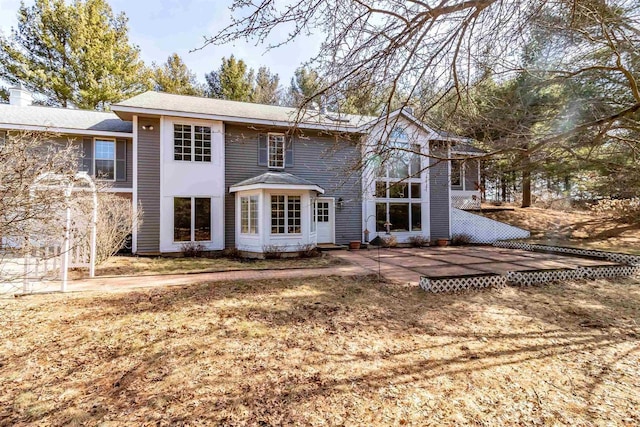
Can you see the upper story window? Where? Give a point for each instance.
(105, 159)
(191, 143)
(276, 151)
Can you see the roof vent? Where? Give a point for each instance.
(408, 110)
(20, 96)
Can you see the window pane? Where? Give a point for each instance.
(203, 219)
(202, 144)
(415, 162)
(456, 173)
(416, 190)
(293, 214)
(244, 215)
(381, 189)
(399, 190)
(277, 215)
(182, 219)
(253, 215)
(182, 142)
(105, 159)
(381, 216)
(399, 167)
(276, 151)
(399, 216)
(416, 217)
(313, 215)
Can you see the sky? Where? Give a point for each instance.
(162, 27)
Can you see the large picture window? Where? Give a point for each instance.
(249, 215)
(105, 159)
(191, 143)
(191, 219)
(285, 214)
(276, 150)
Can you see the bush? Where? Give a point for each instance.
(272, 252)
(389, 242)
(460, 239)
(308, 251)
(233, 253)
(192, 249)
(418, 241)
(623, 209)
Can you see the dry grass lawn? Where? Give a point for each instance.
(578, 228)
(329, 351)
(139, 266)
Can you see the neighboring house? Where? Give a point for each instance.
(229, 174)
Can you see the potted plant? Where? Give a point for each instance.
(354, 245)
(442, 242)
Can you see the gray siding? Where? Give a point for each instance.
(149, 186)
(471, 174)
(317, 158)
(439, 194)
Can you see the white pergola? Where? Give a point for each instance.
(67, 184)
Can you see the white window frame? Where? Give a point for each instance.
(95, 158)
(460, 186)
(193, 142)
(254, 200)
(269, 150)
(193, 220)
(286, 215)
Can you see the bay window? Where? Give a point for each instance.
(249, 215)
(285, 214)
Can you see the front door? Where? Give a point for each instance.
(325, 218)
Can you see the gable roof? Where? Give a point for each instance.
(275, 180)
(63, 120)
(236, 112)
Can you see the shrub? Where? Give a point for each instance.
(623, 209)
(389, 242)
(272, 252)
(233, 253)
(418, 241)
(192, 249)
(308, 251)
(460, 239)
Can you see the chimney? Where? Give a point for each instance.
(20, 96)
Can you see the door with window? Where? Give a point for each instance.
(325, 220)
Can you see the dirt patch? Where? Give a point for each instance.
(573, 228)
(328, 351)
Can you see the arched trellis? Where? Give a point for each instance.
(54, 181)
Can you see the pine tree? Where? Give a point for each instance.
(175, 77)
(73, 54)
(266, 89)
(232, 81)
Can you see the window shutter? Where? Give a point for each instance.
(121, 160)
(263, 150)
(87, 155)
(288, 154)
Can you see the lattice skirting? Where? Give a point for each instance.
(591, 253)
(525, 278)
(455, 284)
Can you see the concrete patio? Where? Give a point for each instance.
(407, 265)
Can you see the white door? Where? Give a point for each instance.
(324, 216)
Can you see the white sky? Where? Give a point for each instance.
(162, 27)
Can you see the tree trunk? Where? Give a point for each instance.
(526, 188)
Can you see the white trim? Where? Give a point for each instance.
(134, 235)
(284, 150)
(332, 216)
(118, 190)
(468, 153)
(53, 129)
(449, 190)
(232, 119)
(163, 200)
(263, 186)
(115, 156)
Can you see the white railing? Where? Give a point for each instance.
(483, 230)
(465, 199)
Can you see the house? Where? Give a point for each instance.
(229, 174)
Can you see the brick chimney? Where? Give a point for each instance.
(20, 96)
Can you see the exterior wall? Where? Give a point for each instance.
(439, 194)
(191, 179)
(317, 158)
(416, 136)
(148, 152)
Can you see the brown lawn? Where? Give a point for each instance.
(578, 228)
(138, 266)
(328, 351)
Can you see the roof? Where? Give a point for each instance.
(235, 111)
(61, 119)
(466, 147)
(275, 180)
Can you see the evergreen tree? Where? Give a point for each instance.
(175, 77)
(304, 88)
(232, 81)
(266, 89)
(73, 54)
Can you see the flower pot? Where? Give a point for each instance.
(442, 242)
(354, 245)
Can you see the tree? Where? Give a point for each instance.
(232, 81)
(175, 77)
(73, 54)
(266, 90)
(4, 95)
(305, 87)
(398, 47)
